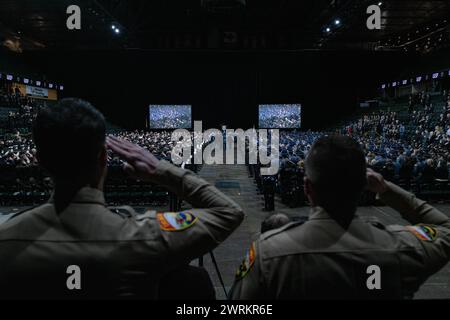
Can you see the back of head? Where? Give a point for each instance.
(336, 168)
(69, 138)
(274, 222)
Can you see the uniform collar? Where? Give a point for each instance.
(86, 195)
(318, 213)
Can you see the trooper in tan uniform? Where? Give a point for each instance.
(119, 252)
(333, 254)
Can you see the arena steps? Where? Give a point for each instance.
(233, 180)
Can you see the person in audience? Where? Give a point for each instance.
(275, 221)
(382, 135)
(330, 256)
(119, 252)
(428, 171)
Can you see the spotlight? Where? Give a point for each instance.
(337, 22)
(327, 29)
(113, 27)
(117, 30)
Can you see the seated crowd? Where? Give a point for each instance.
(413, 150)
(19, 111)
(410, 147)
(21, 175)
(23, 182)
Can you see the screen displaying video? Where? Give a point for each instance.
(170, 116)
(280, 116)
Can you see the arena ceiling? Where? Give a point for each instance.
(420, 25)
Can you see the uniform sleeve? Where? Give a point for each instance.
(249, 280)
(188, 234)
(411, 208)
(430, 228)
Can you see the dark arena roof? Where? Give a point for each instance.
(420, 25)
(295, 149)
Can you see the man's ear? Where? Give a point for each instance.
(38, 157)
(308, 189)
(103, 157)
(40, 160)
(306, 185)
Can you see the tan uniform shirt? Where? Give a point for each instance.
(319, 259)
(117, 254)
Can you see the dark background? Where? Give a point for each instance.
(224, 87)
(224, 57)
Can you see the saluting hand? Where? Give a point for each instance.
(375, 182)
(139, 163)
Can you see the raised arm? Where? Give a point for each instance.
(190, 233)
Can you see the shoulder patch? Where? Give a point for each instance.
(423, 232)
(247, 263)
(266, 235)
(175, 221)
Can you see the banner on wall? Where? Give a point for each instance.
(37, 92)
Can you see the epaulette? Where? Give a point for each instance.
(16, 214)
(271, 233)
(123, 211)
(375, 222)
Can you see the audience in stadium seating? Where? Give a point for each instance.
(157, 142)
(16, 110)
(24, 183)
(22, 178)
(410, 147)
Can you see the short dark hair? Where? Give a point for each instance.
(274, 222)
(336, 167)
(69, 137)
